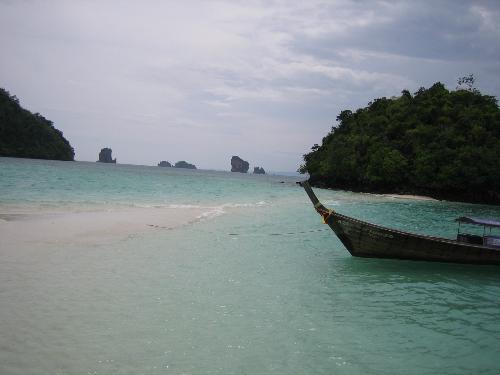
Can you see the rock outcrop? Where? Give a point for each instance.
(239, 165)
(259, 170)
(184, 164)
(164, 163)
(105, 156)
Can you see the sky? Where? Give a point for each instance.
(204, 80)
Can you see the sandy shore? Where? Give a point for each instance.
(18, 228)
(402, 196)
(408, 196)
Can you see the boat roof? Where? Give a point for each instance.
(479, 221)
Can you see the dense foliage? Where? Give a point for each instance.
(437, 142)
(27, 135)
(184, 164)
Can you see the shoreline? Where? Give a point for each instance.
(490, 199)
(386, 195)
(389, 195)
(407, 196)
(31, 229)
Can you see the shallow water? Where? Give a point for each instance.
(260, 287)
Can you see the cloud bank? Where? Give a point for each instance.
(201, 81)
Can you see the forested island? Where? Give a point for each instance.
(436, 142)
(179, 164)
(27, 135)
(184, 164)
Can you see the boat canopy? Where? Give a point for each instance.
(478, 221)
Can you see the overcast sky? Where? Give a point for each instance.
(204, 80)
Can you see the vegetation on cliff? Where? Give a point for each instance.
(164, 163)
(441, 143)
(184, 164)
(27, 135)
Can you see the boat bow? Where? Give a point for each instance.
(364, 239)
(318, 206)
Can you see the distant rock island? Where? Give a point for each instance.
(259, 170)
(27, 135)
(436, 142)
(184, 164)
(239, 165)
(105, 156)
(164, 163)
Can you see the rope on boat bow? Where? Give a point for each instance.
(324, 212)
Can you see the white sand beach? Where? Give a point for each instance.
(401, 196)
(19, 228)
(409, 196)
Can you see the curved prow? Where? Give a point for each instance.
(322, 210)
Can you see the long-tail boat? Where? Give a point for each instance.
(363, 239)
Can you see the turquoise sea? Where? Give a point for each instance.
(257, 286)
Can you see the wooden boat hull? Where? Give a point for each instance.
(363, 239)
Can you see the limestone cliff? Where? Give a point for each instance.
(239, 165)
(259, 170)
(105, 156)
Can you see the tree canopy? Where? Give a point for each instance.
(184, 164)
(437, 142)
(27, 135)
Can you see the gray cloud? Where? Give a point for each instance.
(202, 81)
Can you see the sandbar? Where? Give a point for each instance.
(19, 228)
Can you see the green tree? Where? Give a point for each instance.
(27, 135)
(436, 142)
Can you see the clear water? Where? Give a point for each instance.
(264, 288)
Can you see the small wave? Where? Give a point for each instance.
(197, 206)
(332, 203)
(185, 206)
(209, 212)
(216, 211)
(152, 205)
(238, 205)
(213, 213)
(162, 206)
(144, 205)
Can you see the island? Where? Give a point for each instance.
(164, 163)
(184, 164)
(439, 143)
(27, 135)
(105, 156)
(239, 165)
(259, 170)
